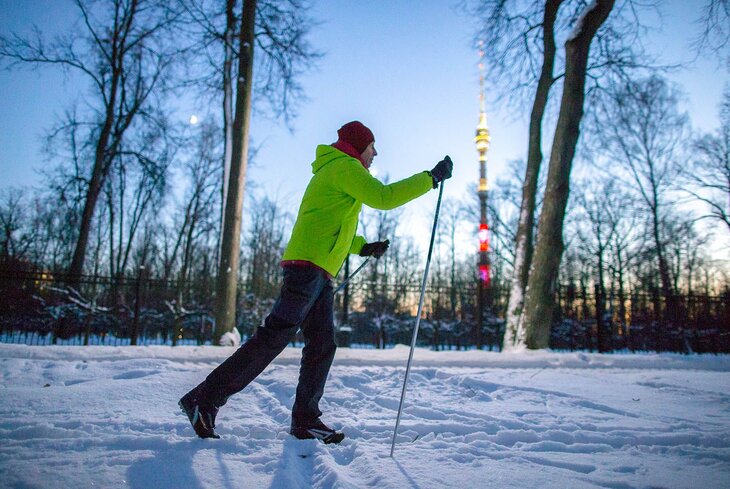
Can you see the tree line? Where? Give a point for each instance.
(630, 224)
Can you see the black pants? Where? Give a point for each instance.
(306, 302)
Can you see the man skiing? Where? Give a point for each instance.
(322, 237)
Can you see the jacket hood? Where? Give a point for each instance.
(326, 154)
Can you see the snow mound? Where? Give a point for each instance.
(231, 338)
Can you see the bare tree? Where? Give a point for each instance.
(506, 197)
(53, 232)
(510, 35)
(281, 37)
(379, 225)
(264, 244)
(135, 188)
(537, 314)
(277, 31)
(707, 177)
(404, 262)
(196, 222)
(226, 285)
(519, 40)
(14, 236)
(452, 215)
(623, 253)
(685, 252)
(644, 132)
(603, 207)
(121, 48)
(714, 25)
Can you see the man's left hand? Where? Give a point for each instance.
(376, 249)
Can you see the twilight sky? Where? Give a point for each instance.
(407, 69)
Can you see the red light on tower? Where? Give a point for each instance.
(483, 237)
(483, 249)
(484, 274)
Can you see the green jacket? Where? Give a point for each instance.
(324, 232)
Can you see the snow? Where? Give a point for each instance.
(578, 28)
(514, 337)
(230, 338)
(108, 417)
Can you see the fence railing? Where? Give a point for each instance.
(40, 308)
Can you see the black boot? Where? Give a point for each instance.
(316, 430)
(201, 412)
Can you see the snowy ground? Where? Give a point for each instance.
(107, 417)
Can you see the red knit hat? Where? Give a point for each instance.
(356, 134)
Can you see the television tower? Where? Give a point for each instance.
(482, 142)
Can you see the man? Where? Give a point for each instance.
(323, 235)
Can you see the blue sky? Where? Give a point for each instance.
(407, 69)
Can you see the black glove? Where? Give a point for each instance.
(442, 171)
(375, 249)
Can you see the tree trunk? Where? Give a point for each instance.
(514, 335)
(98, 176)
(623, 320)
(539, 297)
(227, 108)
(664, 277)
(230, 244)
(102, 155)
(604, 336)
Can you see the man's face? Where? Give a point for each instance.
(368, 155)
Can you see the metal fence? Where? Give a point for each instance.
(643, 321)
(40, 309)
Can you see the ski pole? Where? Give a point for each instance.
(418, 319)
(342, 285)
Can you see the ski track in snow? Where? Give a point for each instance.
(111, 420)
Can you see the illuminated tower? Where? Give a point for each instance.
(482, 143)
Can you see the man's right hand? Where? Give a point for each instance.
(442, 171)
